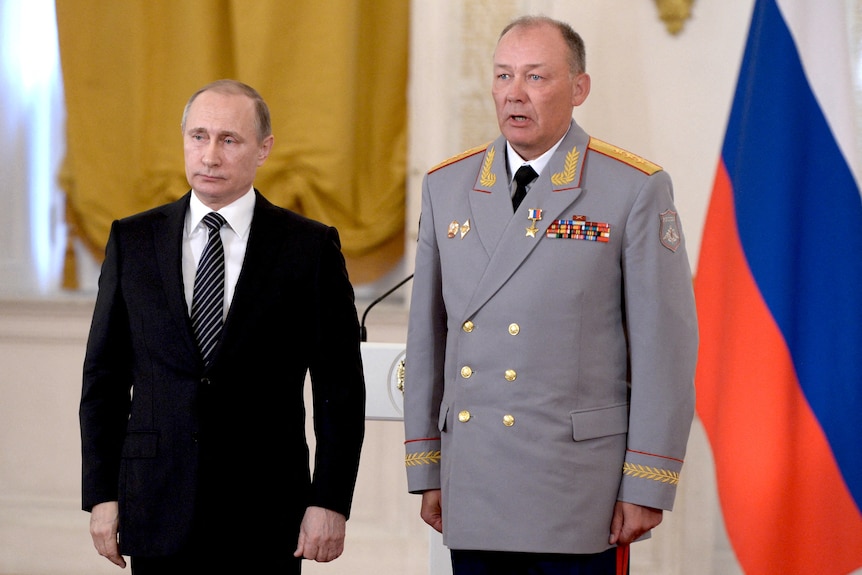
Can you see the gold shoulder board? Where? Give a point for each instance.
(633, 160)
(461, 156)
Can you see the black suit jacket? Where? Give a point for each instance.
(224, 447)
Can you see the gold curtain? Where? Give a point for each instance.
(334, 73)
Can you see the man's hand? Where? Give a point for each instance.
(631, 521)
(321, 535)
(432, 511)
(104, 526)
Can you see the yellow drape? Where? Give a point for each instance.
(334, 73)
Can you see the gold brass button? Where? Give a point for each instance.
(514, 329)
(508, 420)
(466, 371)
(511, 375)
(468, 326)
(464, 416)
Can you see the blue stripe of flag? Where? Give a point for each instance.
(799, 214)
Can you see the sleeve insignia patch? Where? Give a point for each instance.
(669, 230)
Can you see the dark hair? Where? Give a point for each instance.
(263, 123)
(577, 50)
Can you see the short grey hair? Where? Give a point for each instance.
(577, 50)
(263, 122)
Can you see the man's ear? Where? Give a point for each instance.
(265, 149)
(580, 89)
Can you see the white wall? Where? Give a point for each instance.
(661, 96)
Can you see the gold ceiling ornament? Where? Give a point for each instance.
(674, 13)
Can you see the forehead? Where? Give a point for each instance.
(216, 111)
(534, 45)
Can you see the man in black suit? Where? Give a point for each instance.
(192, 464)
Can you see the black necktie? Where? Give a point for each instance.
(523, 177)
(208, 298)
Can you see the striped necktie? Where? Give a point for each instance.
(208, 298)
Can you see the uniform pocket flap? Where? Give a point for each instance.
(591, 423)
(141, 444)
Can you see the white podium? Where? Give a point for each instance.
(384, 380)
(384, 400)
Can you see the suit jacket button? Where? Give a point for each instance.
(466, 371)
(464, 416)
(468, 326)
(511, 374)
(508, 420)
(514, 329)
(206, 381)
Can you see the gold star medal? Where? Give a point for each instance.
(534, 215)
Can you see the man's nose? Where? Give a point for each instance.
(516, 91)
(211, 155)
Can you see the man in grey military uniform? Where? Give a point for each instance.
(551, 347)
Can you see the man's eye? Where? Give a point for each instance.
(535, 77)
(503, 76)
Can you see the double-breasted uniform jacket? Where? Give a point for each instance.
(223, 446)
(550, 353)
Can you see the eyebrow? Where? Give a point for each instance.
(527, 66)
(223, 133)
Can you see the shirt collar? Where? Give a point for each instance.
(516, 161)
(237, 214)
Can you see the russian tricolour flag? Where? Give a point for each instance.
(779, 298)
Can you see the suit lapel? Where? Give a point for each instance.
(168, 242)
(490, 202)
(503, 234)
(259, 258)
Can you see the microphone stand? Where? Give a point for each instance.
(363, 333)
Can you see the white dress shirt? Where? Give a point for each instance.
(234, 237)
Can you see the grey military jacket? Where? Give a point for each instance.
(550, 352)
